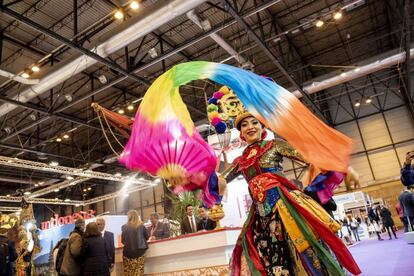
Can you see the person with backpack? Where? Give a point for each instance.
(71, 265)
(7, 254)
(59, 253)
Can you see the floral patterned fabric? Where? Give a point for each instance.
(134, 266)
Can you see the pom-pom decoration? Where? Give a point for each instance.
(212, 101)
(212, 107)
(213, 114)
(218, 95)
(216, 120)
(221, 127)
(224, 90)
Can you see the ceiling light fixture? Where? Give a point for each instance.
(54, 164)
(134, 5)
(130, 107)
(153, 53)
(27, 193)
(337, 15)
(66, 136)
(35, 68)
(25, 75)
(89, 189)
(69, 177)
(357, 103)
(121, 111)
(368, 100)
(319, 23)
(343, 74)
(68, 97)
(119, 14)
(58, 139)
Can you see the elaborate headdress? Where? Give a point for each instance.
(223, 108)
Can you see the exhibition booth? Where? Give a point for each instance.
(199, 253)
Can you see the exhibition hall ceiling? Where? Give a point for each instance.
(53, 49)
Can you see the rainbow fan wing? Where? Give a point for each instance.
(164, 140)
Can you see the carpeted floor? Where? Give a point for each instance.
(385, 258)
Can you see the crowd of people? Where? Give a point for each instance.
(90, 249)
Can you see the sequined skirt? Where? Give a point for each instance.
(134, 266)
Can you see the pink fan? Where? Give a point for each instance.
(172, 153)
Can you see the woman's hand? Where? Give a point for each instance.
(177, 181)
(351, 179)
(222, 185)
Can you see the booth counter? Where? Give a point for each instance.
(201, 253)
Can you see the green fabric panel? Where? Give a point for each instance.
(252, 268)
(325, 257)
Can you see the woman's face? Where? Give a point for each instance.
(251, 130)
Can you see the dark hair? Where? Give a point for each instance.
(411, 187)
(92, 230)
(154, 215)
(188, 205)
(202, 206)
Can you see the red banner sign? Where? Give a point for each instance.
(58, 220)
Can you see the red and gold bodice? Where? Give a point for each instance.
(261, 158)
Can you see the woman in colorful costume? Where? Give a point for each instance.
(175, 151)
(282, 233)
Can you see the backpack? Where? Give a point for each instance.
(61, 254)
(4, 256)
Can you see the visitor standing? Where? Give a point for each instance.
(374, 219)
(387, 221)
(205, 223)
(407, 172)
(189, 222)
(71, 265)
(109, 241)
(353, 222)
(158, 230)
(7, 254)
(134, 238)
(94, 254)
(407, 204)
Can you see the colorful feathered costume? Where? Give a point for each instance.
(164, 142)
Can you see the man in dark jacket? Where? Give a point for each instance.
(10, 255)
(407, 205)
(189, 222)
(205, 222)
(387, 221)
(109, 241)
(407, 172)
(158, 230)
